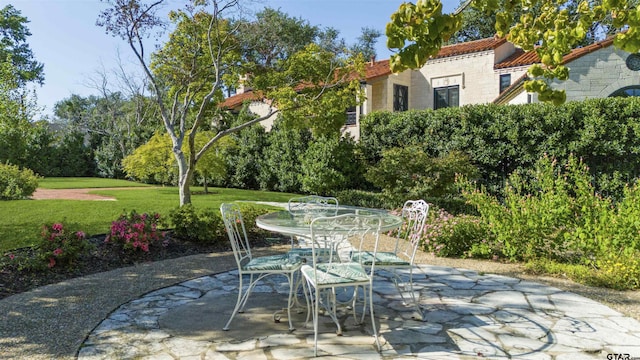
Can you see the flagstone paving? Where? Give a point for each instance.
(468, 316)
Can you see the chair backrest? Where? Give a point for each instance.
(233, 223)
(414, 216)
(348, 232)
(313, 204)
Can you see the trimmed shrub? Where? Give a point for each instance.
(249, 214)
(502, 139)
(16, 183)
(409, 173)
(198, 225)
(330, 164)
(362, 198)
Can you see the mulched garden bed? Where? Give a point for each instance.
(104, 257)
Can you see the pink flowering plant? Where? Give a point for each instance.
(456, 236)
(136, 232)
(60, 247)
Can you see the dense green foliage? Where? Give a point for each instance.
(16, 183)
(199, 225)
(114, 124)
(552, 219)
(331, 164)
(502, 139)
(555, 214)
(281, 158)
(244, 161)
(409, 173)
(14, 48)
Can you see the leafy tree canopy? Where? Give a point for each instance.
(366, 43)
(206, 53)
(418, 31)
(14, 47)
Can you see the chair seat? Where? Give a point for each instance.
(307, 252)
(282, 262)
(336, 273)
(382, 259)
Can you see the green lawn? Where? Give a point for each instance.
(83, 182)
(21, 220)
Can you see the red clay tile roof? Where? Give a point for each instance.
(521, 58)
(470, 47)
(579, 52)
(237, 100)
(518, 58)
(377, 69)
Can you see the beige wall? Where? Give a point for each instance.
(261, 109)
(598, 74)
(473, 73)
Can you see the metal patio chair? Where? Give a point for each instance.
(401, 259)
(310, 207)
(326, 276)
(257, 268)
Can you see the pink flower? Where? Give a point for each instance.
(57, 252)
(52, 262)
(11, 256)
(56, 227)
(80, 234)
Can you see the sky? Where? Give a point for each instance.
(65, 38)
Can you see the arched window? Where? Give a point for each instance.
(633, 90)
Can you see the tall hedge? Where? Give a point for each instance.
(502, 139)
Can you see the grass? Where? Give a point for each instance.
(21, 220)
(84, 182)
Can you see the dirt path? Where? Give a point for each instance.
(76, 194)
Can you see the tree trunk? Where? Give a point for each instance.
(185, 173)
(185, 193)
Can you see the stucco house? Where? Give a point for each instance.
(490, 70)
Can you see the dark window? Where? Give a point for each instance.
(505, 82)
(351, 116)
(446, 97)
(627, 91)
(400, 98)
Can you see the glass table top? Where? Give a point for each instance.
(285, 223)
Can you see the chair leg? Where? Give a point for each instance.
(415, 302)
(238, 303)
(290, 302)
(373, 319)
(316, 309)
